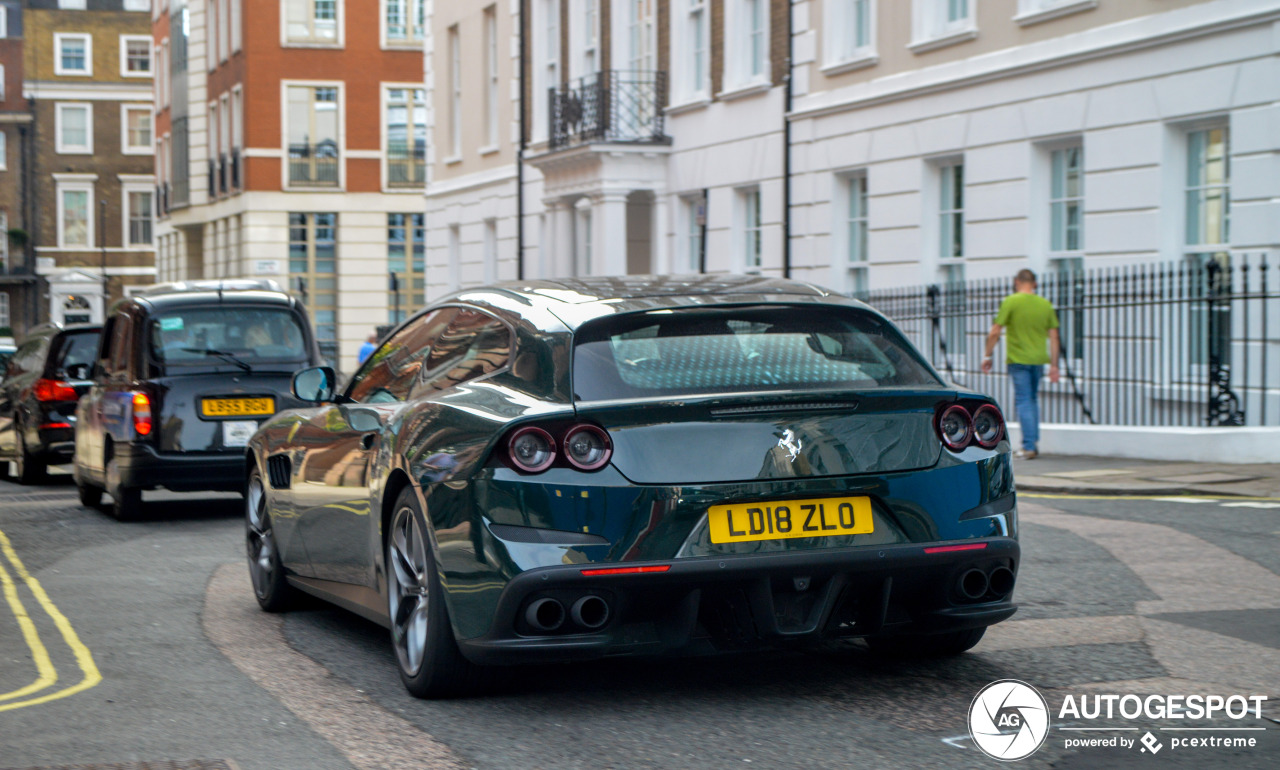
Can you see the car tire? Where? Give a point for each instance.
(266, 571)
(427, 655)
(926, 645)
(30, 469)
(126, 502)
(90, 496)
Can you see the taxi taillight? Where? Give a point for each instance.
(46, 389)
(141, 414)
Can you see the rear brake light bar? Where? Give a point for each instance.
(625, 570)
(53, 425)
(952, 548)
(54, 390)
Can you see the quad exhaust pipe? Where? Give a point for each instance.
(973, 584)
(590, 612)
(1001, 580)
(545, 614)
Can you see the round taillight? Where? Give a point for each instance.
(531, 449)
(955, 426)
(988, 426)
(587, 447)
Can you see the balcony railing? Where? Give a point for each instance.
(406, 166)
(609, 106)
(223, 174)
(235, 170)
(314, 164)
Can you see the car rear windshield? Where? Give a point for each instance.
(75, 353)
(226, 335)
(699, 350)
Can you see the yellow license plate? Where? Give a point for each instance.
(238, 407)
(823, 517)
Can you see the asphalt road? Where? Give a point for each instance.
(176, 663)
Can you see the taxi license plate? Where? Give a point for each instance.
(821, 517)
(238, 407)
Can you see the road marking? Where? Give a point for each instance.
(1251, 504)
(83, 657)
(1165, 498)
(46, 674)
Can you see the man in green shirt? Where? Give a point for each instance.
(1031, 321)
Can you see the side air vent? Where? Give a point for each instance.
(279, 469)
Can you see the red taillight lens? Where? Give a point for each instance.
(953, 548)
(955, 427)
(587, 447)
(626, 570)
(988, 426)
(142, 414)
(54, 390)
(531, 449)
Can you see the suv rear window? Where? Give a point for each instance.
(225, 334)
(75, 354)
(783, 347)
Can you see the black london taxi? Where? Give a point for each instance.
(43, 380)
(184, 374)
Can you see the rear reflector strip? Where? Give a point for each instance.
(625, 570)
(950, 548)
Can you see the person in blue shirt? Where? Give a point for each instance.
(366, 350)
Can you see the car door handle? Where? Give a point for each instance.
(368, 440)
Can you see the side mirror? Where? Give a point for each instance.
(78, 371)
(314, 384)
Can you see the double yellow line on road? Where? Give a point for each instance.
(46, 672)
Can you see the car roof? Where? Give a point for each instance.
(575, 301)
(203, 296)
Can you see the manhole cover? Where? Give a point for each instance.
(159, 765)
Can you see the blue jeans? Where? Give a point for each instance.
(1026, 397)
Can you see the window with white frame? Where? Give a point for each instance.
(455, 92)
(693, 43)
(406, 250)
(312, 21)
(215, 33)
(694, 214)
(1033, 11)
(4, 242)
(406, 126)
(545, 24)
(4, 164)
(73, 54)
(1066, 201)
(135, 56)
(313, 135)
(4, 300)
(4, 23)
(73, 129)
(404, 21)
(855, 235)
(951, 252)
(137, 5)
(491, 75)
(590, 36)
(1207, 237)
(139, 225)
(748, 43)
(850, 31)
(136, 129)
(71, 5)
(941, 20)
(75, 214)
(237, 35)
(224, 30)
(640, 24)
(752, 235)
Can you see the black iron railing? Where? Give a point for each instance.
(224, 174)
(235, 169)
(314, 164)
(609, 106)
(406, 166)
(1191, 343)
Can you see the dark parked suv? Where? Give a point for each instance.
(42, 383)
(184, 375)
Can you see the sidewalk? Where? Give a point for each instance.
(1080, 475)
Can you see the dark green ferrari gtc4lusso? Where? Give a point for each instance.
(564, 470)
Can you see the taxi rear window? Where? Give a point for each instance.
(702, 350)
(203, 335)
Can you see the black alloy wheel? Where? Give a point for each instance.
(272, 590)
(427, 655)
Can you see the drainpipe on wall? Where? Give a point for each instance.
(520, 154)
(786, 154)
